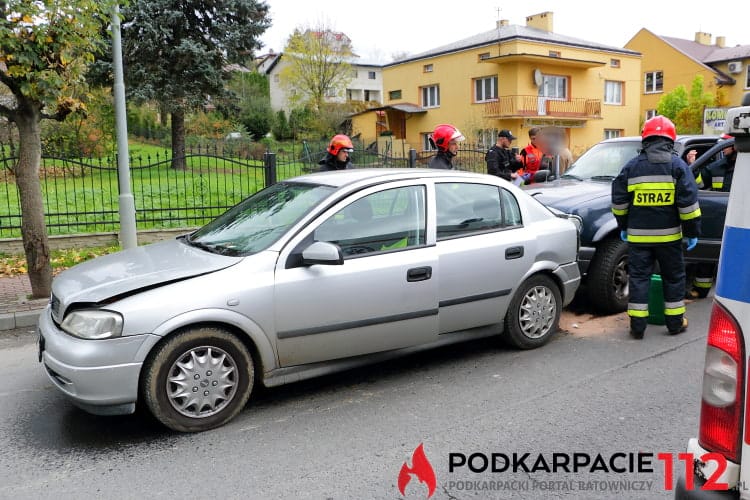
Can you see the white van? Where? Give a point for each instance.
(723, 442)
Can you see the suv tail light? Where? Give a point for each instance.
(723, 382)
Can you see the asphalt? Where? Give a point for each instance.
(16, 308)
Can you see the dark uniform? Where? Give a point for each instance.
(655, 198)
(442, 159)
(501, 162)
(331, 163)
(716, 176)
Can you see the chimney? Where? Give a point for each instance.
(502, 22)
(703, 38)
(541, 21)
(721, 41)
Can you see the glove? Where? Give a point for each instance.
(526, 178)
(624, 236)
(691, 243)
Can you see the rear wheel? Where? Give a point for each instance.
(607, 279)
(198, 379)
(534, 313)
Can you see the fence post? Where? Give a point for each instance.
(269, 166)
(412, 158)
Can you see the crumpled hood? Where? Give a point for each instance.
(569, 195)
(118, 273)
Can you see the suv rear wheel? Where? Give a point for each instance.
(608, 277)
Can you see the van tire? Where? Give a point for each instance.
(607, 279)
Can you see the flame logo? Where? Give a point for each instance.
(422, 470)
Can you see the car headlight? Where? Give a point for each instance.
(93, 324)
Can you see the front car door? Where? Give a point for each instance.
(382, 297)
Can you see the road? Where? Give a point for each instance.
(347, 436)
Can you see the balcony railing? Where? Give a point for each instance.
(514, 106)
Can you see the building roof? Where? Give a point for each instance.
(706, 55)
(512, 32)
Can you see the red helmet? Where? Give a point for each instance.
(659, 126)
(444, 134)
(725, 136)
(340, 142)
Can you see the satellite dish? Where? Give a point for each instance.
(538, 80)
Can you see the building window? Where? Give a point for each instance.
(613, 92)
(371, 75)
(330, 92)
(426, 145)
(431, 96)
(394, 94)
(554, 53)
(654, 82)
(486, 138)
(484, 55)
(354, 73)
(650, 113)
(614, 63)
(747, 77)
(611, 133)
(427, 68)
(554, 87)
(485, 89)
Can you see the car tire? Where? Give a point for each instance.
(534, 313)
(607, 280)
(220, 368)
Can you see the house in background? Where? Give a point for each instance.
(512, 77)
(366, 84)
(669, 62)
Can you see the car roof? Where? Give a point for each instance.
(680, 138)
(339, 178)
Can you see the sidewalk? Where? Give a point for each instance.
(16, 310)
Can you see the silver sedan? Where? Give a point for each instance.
(312, 275)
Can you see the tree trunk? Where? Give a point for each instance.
(178, 140)
(33, 228)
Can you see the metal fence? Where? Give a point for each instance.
(80, 195)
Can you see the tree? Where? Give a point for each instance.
(44, 49)
(176, 52)
(250, 90)
(686, 110)
(318, 66)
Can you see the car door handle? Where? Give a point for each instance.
(513, 253)
(419, 273)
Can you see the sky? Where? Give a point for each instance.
(380, 28)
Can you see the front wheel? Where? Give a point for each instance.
(533, 313)
(198, 379)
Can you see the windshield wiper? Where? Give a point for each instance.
(603, 178)
(570, 176)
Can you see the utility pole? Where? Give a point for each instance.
(128, 234)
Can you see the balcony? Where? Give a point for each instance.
(524, 106)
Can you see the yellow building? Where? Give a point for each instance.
(512, 77)
(670, 62)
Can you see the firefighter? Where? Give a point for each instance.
(445, 139)
(337, 154)
(655, 202)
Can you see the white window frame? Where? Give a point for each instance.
(430, 96)
(611, 133)
(747, 77)
(650, 113)
(656, 87)
(426, 146)
(613, 92)
(371, 75)
(485, 89)
(554, 87)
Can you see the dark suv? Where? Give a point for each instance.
(585, 190)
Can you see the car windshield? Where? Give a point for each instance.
(258, 221)
(603, 161)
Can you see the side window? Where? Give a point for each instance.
(465, 208)
(511, 210)
(388, 220)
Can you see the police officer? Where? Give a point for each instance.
(337, 154)
(445, 139)
(655, 201)
(501, 161)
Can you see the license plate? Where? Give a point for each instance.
(40, 344)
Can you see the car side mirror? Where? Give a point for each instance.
(544, 176)
(322, 252)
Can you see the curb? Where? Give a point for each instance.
(20, 319)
